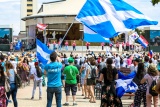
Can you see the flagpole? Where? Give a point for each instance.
(44, 35)
(67, 31)
(82, 44)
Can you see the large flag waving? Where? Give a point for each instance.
(110, 17)
(43, 53)
(91, 36)
(125, 84)
(143, 41)
(18, 45)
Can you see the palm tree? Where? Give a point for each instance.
(154, 2)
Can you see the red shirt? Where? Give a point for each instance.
(87, 44)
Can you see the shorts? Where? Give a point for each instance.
(91, 82)
(77, 78)
(83, 81)
(72, 87)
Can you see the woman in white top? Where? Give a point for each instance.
(37, 74)
(151, 75)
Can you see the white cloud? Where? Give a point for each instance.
(10, 11)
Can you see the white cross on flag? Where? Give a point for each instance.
(42, 26)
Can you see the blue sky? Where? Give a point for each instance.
(10, 11)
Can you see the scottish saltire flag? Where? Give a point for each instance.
(109, 17)
(134, 36)
(143, 41)
(91, 36)
(43, 53)
(18, 45)
(125, 84)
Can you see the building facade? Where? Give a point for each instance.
(28, 7)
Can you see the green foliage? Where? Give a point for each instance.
(154, 2)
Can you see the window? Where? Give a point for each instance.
(29, 0)
(29, 4)
(29, 10)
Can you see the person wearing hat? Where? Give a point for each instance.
(54, 84)
(37, 73)
(152, 74)
(71, 73)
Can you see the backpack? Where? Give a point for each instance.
(93, 73)
(39, 72)
(18, 81)
(152, 88)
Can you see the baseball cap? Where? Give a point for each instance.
(70, 60)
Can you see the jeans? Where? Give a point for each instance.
(13, 92)
(66, 48)
(58, 94)
(40, 87)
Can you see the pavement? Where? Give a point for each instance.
(24, 99)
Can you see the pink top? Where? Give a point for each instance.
(102, 44)
(122, 43)
(127, 44)
(66, 43)
(129, 61)
(117, 45)
(73, 44)
(149, 81)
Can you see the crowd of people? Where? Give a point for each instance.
(77, 73)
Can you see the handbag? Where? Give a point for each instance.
(18, 80)
(7, 84)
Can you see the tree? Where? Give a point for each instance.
(154, 2)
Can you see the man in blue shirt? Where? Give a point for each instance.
(53, 71)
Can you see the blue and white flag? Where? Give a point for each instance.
(125, 84)
(91, 36)
(43, 53)
(18, 45)
(110, 17)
